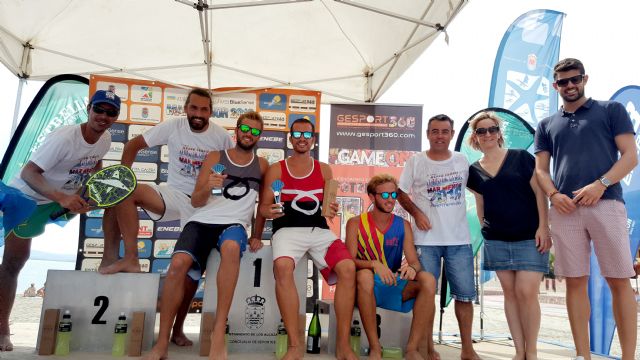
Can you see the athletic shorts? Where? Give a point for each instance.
(323, 247)
(35, 224)
(390, 296)
(604, 224)
(177, 205)
(198, 239)
(458, 267)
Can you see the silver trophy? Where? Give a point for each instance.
(218, 169)
(277, 186)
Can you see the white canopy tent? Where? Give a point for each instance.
(349, 50)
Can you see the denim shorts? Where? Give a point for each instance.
(458, 267)
(514, 255)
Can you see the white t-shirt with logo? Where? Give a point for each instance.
(437, 188)
(67, 160)
(187, 149)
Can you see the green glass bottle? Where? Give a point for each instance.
(354, 340)
(314, 333)
(63, 337)
(119, 336)
(226, 333)
(282, 341)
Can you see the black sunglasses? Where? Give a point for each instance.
(298, 134)
(491, 130)
(100, 110)
(246, 128)
(575, 80)
(385, 195)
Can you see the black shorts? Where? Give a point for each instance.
(198, 239)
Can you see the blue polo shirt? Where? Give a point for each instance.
(582, 144)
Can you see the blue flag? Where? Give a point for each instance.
(602, 324)
(523, 71)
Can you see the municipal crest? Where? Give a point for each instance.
(254, 312)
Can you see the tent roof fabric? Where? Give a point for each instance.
(349, 50)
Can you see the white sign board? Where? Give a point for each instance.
(254, 315)
(95, 302)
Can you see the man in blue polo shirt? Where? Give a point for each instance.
(584, 138)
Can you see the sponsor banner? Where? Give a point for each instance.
(96, 213)
(164, 153)
(145, 171)
(146, 94)
(147, 114)
(93, 228)
(93, 248)
(144, 249)
(163, 249)
(272, 155)
(272, 140)
(303, 103)
(90, 264)
(115, 151)
(376, 127)
(145, 230)
(378, 158)
(160, 266)
(119, 132)
(168, 229)
(523, 71)
(273, 101)
(274, 120)
(174, 100)
(164, 172)
(294, 117)
(135, 130)
(151, 154)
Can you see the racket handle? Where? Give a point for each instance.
(57, 214)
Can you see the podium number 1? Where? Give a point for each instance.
(257, 264)
(103, 302)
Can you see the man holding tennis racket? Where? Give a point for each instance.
(52, 177)
(189, 141)
(218, 222)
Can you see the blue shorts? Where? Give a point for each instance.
(390, 297)
(458, 266)
(514, 255)
(198, 239)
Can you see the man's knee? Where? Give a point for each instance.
(364, 280)
(230, 250)
(15, 257)
(180, 265)
(427, 283)
(618, 284)
(283, 268)
(345, 269)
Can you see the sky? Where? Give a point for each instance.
(454, 78)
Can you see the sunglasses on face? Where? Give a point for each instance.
(575, 80)
(386, 194)
(246, 128)
(298, 134)
(491, 130)
(100, 110)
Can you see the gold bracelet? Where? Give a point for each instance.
(553, 193)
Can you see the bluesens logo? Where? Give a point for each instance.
(168, 229)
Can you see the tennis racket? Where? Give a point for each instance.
(106, 188)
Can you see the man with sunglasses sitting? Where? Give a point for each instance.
(584, 139)
(218, 222)
(52, 177)
(189, 140)
(377, 240)
(301, 229)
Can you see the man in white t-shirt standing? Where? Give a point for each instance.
(52, 177)
(189, 141)
(436, 180)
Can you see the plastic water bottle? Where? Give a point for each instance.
(63, 337)
(314, 333)
(119, 336)
(282, 341)
(354, 340)
(391, 352)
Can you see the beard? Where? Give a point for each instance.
(196, 125)
(573, 98)
(246, 147)
(382, 209)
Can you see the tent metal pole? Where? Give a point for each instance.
(241, 5)
(481, 296)
(16, 108)
(389, 13)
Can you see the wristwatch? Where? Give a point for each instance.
(604, 181)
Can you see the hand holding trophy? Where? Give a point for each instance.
(277, 186)
(217, 169)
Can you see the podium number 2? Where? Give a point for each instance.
(257, 264)
(103, 302)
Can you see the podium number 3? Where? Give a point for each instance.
(103, 302)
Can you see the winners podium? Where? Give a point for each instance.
(95, 302)
(254, 315)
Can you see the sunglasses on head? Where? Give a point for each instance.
(491, 130)
(246, 128)
(298, 134)
(100, 110)
(386, 194)
(575, 80)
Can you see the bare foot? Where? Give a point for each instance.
(5, 343)
(344, 352)
(293, 353)
(413, 355)
(433, 355)
(124, 265)
(180, 339)
(469, 355)
(158, 352)
(375, 354)
(218, 350)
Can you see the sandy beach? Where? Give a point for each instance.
(555, 335)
